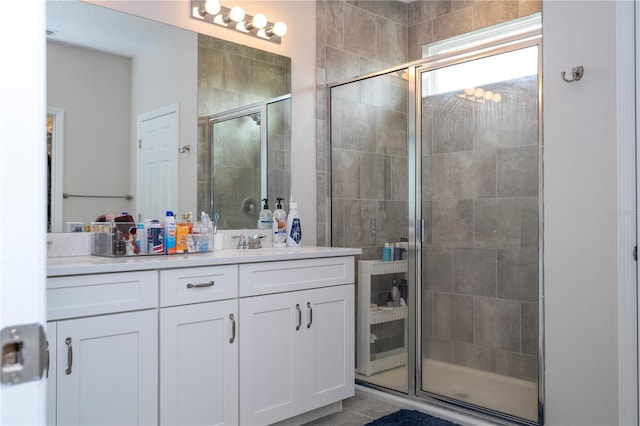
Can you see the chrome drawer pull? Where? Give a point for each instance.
(299, 316)
(233, 328)
(209, 284)
(310, 314)
(69, 356)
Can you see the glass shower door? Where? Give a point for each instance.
(479, 270)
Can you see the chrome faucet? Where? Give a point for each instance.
(242, 241)
(246, 242)
(254, 242)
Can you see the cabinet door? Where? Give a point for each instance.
(107, 370)
(329, 364)
(270, 383)
(51, 374)
(199, 364)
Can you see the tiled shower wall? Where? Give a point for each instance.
(480, 257)
(231, 75)
(368, 177)
(355, 37)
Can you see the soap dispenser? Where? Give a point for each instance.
(279, 225)
(265, 220)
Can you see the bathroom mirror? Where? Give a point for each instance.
(132, 68)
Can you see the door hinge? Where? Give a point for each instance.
(635, 253)
(139, 143)
(25, 354)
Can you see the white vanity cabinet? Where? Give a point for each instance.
(252, 339)
(199, 346)
(297, 346)
(103, 341)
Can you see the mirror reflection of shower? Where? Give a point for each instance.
(250, 160)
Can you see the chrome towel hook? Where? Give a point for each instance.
(577, 72)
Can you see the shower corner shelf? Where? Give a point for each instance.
(366, 317)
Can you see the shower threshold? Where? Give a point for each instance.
(497, 392)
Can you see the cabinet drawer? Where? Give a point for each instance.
(194, 285)
(83, 295)
(275, 277)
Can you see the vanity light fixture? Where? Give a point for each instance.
(213, 12)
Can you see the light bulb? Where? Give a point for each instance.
(259, 21)
(212, 7)
(280, 28)
(497, 97)
(469, 90)
(488, 94)
(236, 13)
(478, 92)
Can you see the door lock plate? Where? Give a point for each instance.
(25, 354)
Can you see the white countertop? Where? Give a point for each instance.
(77, 265)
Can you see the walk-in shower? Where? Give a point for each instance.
(445, 152)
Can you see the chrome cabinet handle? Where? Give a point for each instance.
(69, 356)
(233, 328)
(209, 284)
(310, 315)
(299, 316)
(48, 359)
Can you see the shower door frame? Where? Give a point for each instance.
(415, 260)
(261, 108)
(415, 224)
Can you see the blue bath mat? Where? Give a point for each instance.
(410, 418)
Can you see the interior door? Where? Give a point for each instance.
(23, 193)
(157, 163)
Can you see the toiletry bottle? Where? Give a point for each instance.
(265, 220)
(170, 233)
(155, 237)
(294, 228)
(279, 225)
(386, 252)
(141, 246)
(182, 232)
(395, 294)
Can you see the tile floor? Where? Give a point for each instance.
(357, 411)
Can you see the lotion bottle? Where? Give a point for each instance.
(279, 226)
(294, 228)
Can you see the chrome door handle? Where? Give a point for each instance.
(299, 316)
(69, 356)
(310, 314)
(233, 328)
(209, 284)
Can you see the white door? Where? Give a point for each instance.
(157, 163)
(270, 383)
(22, 192)
(107, 370)
(199, 364)
(329, 365)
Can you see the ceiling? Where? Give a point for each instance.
(78, 23)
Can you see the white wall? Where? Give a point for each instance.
(94, 90)
(299, 44)
(579, 231)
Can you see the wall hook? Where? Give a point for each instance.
(577, 72)
(184, 149)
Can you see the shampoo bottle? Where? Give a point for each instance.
(395, 294)
(294, 228)
(265, 220)
(279, 226)
(170, 233)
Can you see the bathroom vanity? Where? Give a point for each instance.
(249, 337)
